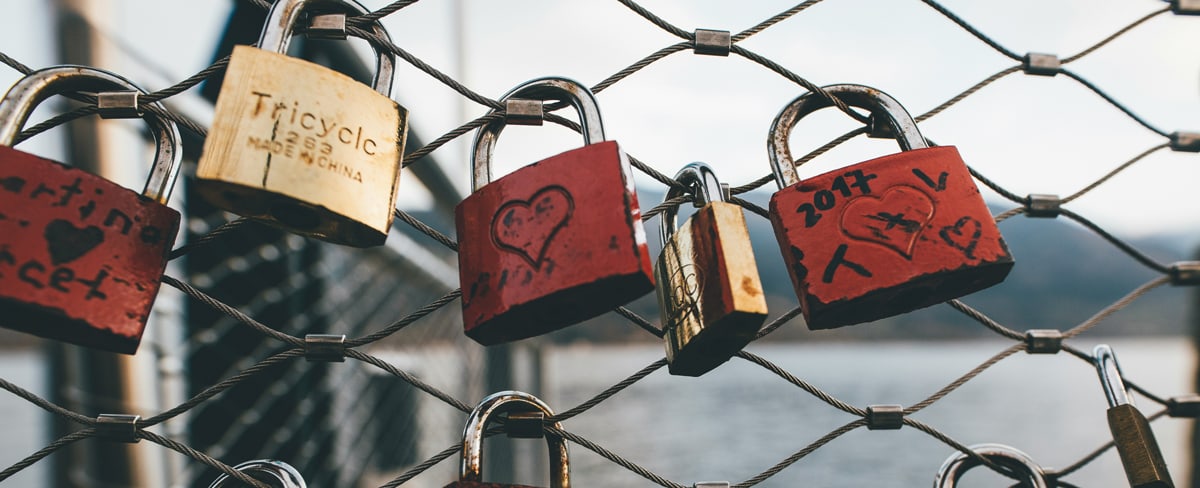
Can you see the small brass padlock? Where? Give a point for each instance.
(81, 257)
(1143, 461)
(303, 147)
(709, 293)
(514, 403)
(276, 474)
(885, 236)
(1031, 474)
(553, 243)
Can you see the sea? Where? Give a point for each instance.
(741, 419)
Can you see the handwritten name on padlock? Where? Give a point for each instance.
(88, 246)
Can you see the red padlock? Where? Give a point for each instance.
(553, 243)
(885, 236)
(80, 257)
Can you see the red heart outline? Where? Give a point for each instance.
(895, 219)
(526, 227)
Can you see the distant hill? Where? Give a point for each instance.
(1064, 274)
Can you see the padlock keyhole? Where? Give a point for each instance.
(297, 216)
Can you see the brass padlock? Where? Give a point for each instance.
(301, 146)
(523, 410)
(276, 474)
(1143, 461)
(709, 292)
(1031, 474)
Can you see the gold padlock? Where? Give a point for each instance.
(709, 292)
(301, 146)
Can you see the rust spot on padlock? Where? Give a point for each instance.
(83, 263)
(545, 246)
(885, 236)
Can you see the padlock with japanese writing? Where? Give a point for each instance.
(532, 412)
(276, 474)
(80, 256)
(301, 146)
(1029, 472)
(1143, 461)
(555, 242)
(709, 292)
(885, 236)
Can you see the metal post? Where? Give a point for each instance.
(96, 382)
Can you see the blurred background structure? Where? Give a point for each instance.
(1130, 78)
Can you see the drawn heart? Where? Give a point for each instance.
(954, 235)
(526, 227)
(67, 243)
(895, 219)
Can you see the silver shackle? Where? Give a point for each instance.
(25, 95)
(549, 88)
(277, 474)
(282, 18)
(1032, 475)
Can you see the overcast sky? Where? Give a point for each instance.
(1029, 134)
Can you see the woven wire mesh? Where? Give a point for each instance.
(256, 293)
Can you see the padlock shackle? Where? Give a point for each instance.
(471, 464)
(25, 95)
(879, 103)
(280, 474)
(549, 88)
(959, 463)
(702, 181)
(1111, 377)
(281, 22)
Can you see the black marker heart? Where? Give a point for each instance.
(67, 243)
(952, 234)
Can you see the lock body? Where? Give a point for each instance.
(80, 256)
(709, 291)
(887, 236)
(550, 245)
(1138, 448)
(304, 148)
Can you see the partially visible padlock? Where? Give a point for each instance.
(276, 474)
(555, 242)
(512, 403)
(1031, 474)
(1143, 461)
(80, 256)
(301, 146)
(885, 236)
(709, 293)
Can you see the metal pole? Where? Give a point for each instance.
(95, 382)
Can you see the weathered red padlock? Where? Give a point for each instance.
(884, 236)
(80, 257)
(526, 413)
(553, 243)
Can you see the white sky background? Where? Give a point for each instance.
(1029, 134)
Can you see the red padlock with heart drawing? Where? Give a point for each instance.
(555, 242)
(885, 236)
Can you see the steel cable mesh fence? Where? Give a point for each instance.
(318, 288)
